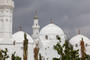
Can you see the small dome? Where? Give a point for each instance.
(51, 29)
(19, 37)
(78, 38)
(75, 41)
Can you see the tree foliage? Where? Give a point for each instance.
(40, 57)
(13, 57)
(66, 51)
(3, 54)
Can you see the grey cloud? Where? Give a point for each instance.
(70, 15)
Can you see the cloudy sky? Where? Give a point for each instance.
(70, 15)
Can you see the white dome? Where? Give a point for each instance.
(51, 29)
(78, 38)
(19, 37)
(48, 38)
(75, 41)
(50, 32)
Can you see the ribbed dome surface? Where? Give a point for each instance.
(19, 37)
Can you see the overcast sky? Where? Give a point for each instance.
(70, 15)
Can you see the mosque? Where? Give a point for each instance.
(46, 37)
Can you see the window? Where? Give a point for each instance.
(36, 24)
(7, 11)
(14, 42)
(86, 44)
(46, 37)
(45, 48)
(57, 37)
(6, 19)
(21, 48)
(1, 20)
(36, 33)
(76, 45)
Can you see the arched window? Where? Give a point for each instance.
(1, 20)
(21, 48)
(86, 44)
(14, 42)
(6, 19)
(37, 33)
(46, 37)
(76, 45)
(36, 24)
(57, 37)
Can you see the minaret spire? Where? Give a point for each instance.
(36, 17)
(20, 28)
(35, 27)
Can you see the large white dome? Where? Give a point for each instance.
(48, 38)
(50, 32)
(19, 37)
(75, 41)
(51, 29)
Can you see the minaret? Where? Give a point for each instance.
(35, 27)
(6, 18)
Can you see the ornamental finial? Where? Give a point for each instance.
(36, 17)
(79, 31)
(20, 28)
(51, 20)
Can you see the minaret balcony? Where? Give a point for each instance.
(36, 27)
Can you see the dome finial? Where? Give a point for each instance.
(35, 17)
(20, 28)
(51, 20)
(79, 31)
